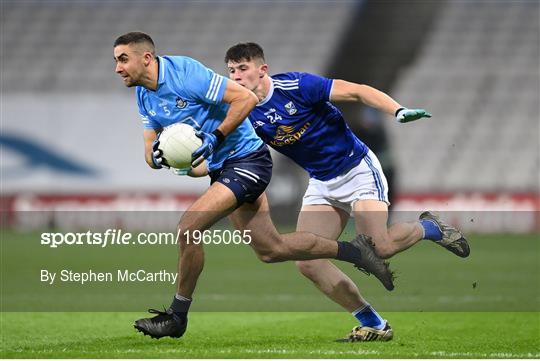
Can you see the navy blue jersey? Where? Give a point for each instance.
(188, 92)
(298, 120)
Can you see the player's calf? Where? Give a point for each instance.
(384, 249)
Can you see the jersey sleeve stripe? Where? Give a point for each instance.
(216, 91)
(212, 84)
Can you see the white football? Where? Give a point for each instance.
(178, 142)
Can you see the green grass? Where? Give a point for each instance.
(271, 335)
(486, 306)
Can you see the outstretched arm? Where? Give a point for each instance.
(344, 91)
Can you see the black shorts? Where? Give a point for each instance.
(246, 177)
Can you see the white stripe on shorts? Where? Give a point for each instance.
(246, 176)
(247, 171)
(378, 182)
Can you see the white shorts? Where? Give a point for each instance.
(365, 181)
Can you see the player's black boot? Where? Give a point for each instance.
(370, 263)
(166, 323)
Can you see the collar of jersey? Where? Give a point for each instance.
(161, 70)
(270, 93)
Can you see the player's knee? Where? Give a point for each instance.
(268, 257)
(271, 256)
(185, 235)
(307, 268)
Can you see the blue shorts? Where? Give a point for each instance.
(246, 177)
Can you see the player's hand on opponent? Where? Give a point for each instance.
(404, 115)
(157, 156)
(210, 142)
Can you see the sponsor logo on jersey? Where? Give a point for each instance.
(291, 108)
(180, 103)
(286, 134)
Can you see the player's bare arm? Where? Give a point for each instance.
(242, 102)
(149, 135)
(345, 91)
(199, 171)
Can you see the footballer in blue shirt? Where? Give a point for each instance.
(296, 117)
(178, 89)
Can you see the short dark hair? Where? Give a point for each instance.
(244, 51)
(135, 37)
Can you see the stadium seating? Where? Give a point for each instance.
(67, 46)
(478, 74)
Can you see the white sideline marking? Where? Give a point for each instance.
(444, 354)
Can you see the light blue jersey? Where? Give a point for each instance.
(188, 92)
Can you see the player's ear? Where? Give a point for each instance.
(148, 57)
(263, 70)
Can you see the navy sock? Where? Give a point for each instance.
(431, 230)
(180, 305)
(347, 252)
(367, 316)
